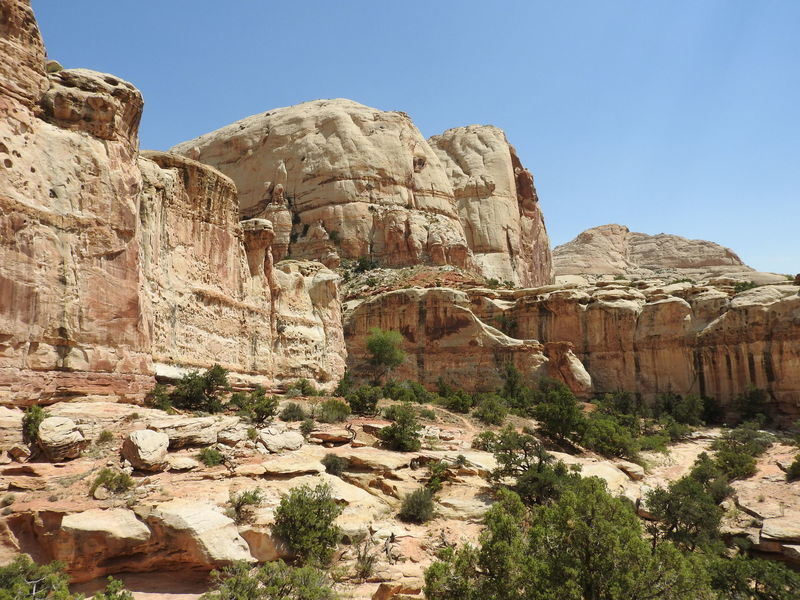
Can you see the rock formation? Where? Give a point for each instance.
(341, 180)
(114, 266)
(615, 250)
(497, 205)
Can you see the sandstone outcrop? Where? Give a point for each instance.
(442, 336)
(497, 205)
(615, 250)
(116, 267)
(340, 179)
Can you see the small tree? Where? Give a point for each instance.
(305, 519)
(333, 410)
(404, 433)
(559, 415)
(256, 405)
(364, 400)
(34, 415)
(385, 349)
(24, 579)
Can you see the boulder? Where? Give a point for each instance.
(146, 450)
(277, 439)
(60, 439)
(784, 529)
(184, 431)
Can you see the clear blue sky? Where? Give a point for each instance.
(667, 116)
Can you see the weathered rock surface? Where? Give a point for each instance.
(442, 336)
(146, 450)
(60, 439)
(185, 431)
(615, 250)
(338, 166)
(497, 205)
(116, 267)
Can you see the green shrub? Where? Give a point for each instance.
(334, 464)
(558, 412)
(793, 472)
(105, 437)
(417, 507)
(458, 401)
(753, 405)
(304, 520)
(685, 514)
(304, 388)
(159, 397)
(255, 405)
(23, 579)
(307, 426)
(293, 412)
(407, 391)
(605, 435)
(485, 440)
(33, 417)
(252, 434)
(210, 457)
(365, 263)
(491, 410)
(737, 450)
(743, 286)
(688, 410)
(270, 581)
(366, 558)
(114, 481)
(364, 400)
(438, 473)
(346, 384)
(114, 590)
(385, 349)
(427, 413)
(332, 410)
(241, 505)
(404, 433)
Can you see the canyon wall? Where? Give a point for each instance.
(116, 267)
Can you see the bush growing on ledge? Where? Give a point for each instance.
(210, 457)
(241, 505)
(305, 519)
(365, 263)
(303, 387)
(271, 581)
(293, 412)
(404, 434)
(333, 410)
(334, 464)
(114, 481)
(194, 391)
(417, 507)
(491, 410)
(793, 472)
(34, 415)
(364, 400)
(255, 405)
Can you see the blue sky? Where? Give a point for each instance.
(666, 116)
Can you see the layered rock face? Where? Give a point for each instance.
(340, 179)
(615, 250)
(497, 204)
(114, 267)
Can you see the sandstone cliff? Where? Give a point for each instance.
(342, 180)
(497, 204)
(115, 267)
(615, 250)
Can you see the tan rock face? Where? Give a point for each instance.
(146, 449)
(60, 439)
(497, 205)
(442, 336)
(615, 250)
(115, 267)
(338, 166)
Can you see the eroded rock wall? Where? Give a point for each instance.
(340, 180)
(497, 204)
(116, 267)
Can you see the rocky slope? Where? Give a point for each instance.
(615, 250)
(115, 266)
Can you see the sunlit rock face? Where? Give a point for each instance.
(115, 266)
(497, 205)
(340, 180)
